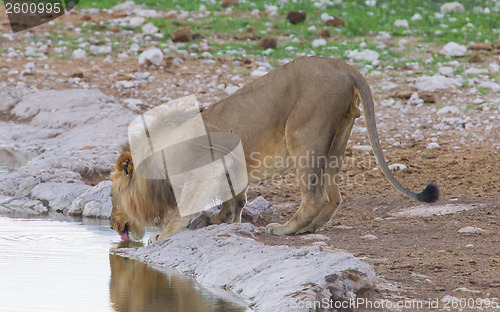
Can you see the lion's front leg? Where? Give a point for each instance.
(231, 210)
(176, 225)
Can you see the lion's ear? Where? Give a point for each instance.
(125, 163)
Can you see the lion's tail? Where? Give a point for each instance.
(362, 90)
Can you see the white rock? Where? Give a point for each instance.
(231, 89)
(493, 86)
(146, 13)
(365, 55)
(436, 82)
(224, 258)
(30, 66)
(415, 100)
(58, 195)
(471, 230)
(318, 42)
(325, 17)
(448, 110)
(136, 21)
(362, 147)
(469, 246)
(433, 145)
(369, 237)
(494, 67)
(312, 28)
(151, 56)
(401, 23)
(439, 210)
(125, 84)
(315, 237)
(97, 50)
(370, 3)
(452, 7)
(446, 71)
(79, 54)
(453, 49)
(22, 206)
(397, 167)
(475, 71)
(134, 47)
(253, 211)
(95, 202)
(272, 10)
(416, 17)
(125, 6)
(132, 104)
(73, 133)
(451, 300)
(258, 73)
(149, 29)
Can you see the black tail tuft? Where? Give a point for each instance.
(430, 194)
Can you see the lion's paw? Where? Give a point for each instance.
(277, 229)
(215, 219)
(155, 237)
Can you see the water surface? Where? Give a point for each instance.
(48, 265)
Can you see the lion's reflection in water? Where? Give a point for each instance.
(136, 287)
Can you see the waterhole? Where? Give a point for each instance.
(48, 265)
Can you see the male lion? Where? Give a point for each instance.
(303, 108)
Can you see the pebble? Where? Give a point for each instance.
(453, 49)
(470, 230)
(96, 50)
(318, 42)
(258, 73)
(433, 145)
(446, 71)
(451, 7)
(149, 29)
(448, 110)
(401, 23)
(397, 167)
(151, 56)
(364, 55)
(136, 21)
(231, 89)
(369, 237)
(416, 17)
(79, 54)
(493, 86)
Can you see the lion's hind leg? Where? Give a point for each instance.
(318, 179)
(310, 172)
(331, 178)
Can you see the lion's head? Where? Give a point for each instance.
(137, 202)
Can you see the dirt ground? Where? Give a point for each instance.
(422, 258)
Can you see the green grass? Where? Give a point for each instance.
(361, 21)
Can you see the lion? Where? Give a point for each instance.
(305, 107)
